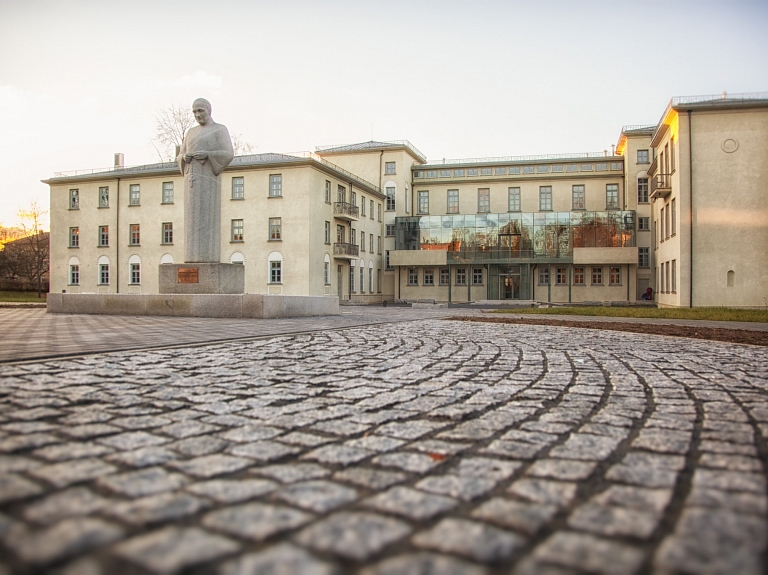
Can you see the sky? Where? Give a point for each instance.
(81, 80)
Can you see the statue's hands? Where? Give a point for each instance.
(202, 156)
(188, 157)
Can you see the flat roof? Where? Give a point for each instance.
(372, 146)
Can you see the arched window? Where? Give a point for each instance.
(731, 278)
(166, 259)
(237, 258)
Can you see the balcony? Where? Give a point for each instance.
(345, 251)
(661, 186)
(345, 211)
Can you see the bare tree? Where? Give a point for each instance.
(240, 146)
(172, 125)
(36, 244)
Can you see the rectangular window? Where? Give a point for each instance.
(617, 166)
(542, 169)
(614, 276)
(104, 197)
(453, 202)
(167, 233)
(642, 157)
(74, 275)
(500, 171)
(103, 236)
(666, 223)
(544, 275)
(134, 277)
(74, 199)
(477, 276)
(586, 167)
(472, 171)
(167, 192)
(275, 229)
(237, 230)
(571, 167)
(483, 200)
(340, 233)
(362, 279)
(557, 168)
(597, 276)
(561, 276)
(485, 171)
(514, 170)
(513, 200)
(275, 185)
(672, 159)
(104, 274)
(413, 276)
(372, 211)
(370, 243)
(418, 174)
(578, 276)
(545, 198)
(445, 276)
(387, 265)
(429, 276)
(461, 277)
(238, 188)
(353, 236)
(528, 169)
(351, 278)
(362, 206)
(578, 198)
(362, 241)
(354, 198)
(370, 280)
(612, 196)
(423, 202)
(642, 190)
(643, 224)
(666, 275)
(389, 230)
(74, 237)
(275, 272)
(458, 173)
(327, 232)
(674, 216)
(134, 195)
(327, 192)
(378, 211)
(389, 168)
(601, 167)
(327, 273)
(661, 217)
(135, 238)
(378, 245)
(431, 173)
(445, 173)
(643, 258)
(390, 199)
(674, 276)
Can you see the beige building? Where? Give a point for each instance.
(376, 220)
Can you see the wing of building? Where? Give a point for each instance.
(678, 208)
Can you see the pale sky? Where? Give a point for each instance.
(81, 80)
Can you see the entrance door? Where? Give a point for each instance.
(339, 279)
(509, 287)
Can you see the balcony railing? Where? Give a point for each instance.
(346, 250)
(345, 209)
(661, 185)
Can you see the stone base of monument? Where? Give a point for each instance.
(193, 305)
(202, 278)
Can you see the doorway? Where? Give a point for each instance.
(509, 287)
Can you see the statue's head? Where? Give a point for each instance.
(201, 108)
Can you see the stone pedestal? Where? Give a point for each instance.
(202, 278)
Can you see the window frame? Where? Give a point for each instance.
(576, 190)
(74, 237)
(390, 168)
(275, 226)
(477, 272)
(391, 201)
(444, 276)
(165, 192)
(545, 197)
(104, 236)
(579, 276)
(614, 275)
(452, 202)
(643, 156)
(237, 224)
(514, 196)
(428, 277)
(561, 276)
(643, 257)
(134, 195)
(238, 188)
(412, 277)
(597, 273)
(275, 186)
(275, 272)
(103, 273)
(327, 233)
(74, 199)
(543, 275)
(461, 276)
(134, 234)
(327, 191)
(612, 197)
(104, 197)
(642, 191)
(483, 200)
(166, 229)
(74, 274)
(422, 202)
(134, 274)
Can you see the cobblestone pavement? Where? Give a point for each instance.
(423, 447)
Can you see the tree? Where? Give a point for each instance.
(240, 146)
(36, 245)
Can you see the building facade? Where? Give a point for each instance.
(676, 209)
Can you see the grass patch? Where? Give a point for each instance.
(20, 296)
(701, 313)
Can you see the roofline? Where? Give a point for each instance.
(391, 145)
(633, 130)
(542, 159)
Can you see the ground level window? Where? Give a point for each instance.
(74, 275)
(362, 279)
(327, 273)
(561, 278)
(104, 274)
(445, 276)
(351, 279)
(578, 276)
(429, 276)
(370, 280)
(275, 272)
(544, 275)
(413, 276)
(597, 276)
(135, 275)
(615, 276)
(477, 276)
(461, 277)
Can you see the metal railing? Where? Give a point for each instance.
(638, 127)
(346, 249)
(510, 159)
(661, 182)
(346, 209)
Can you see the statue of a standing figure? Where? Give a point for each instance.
(205, 152)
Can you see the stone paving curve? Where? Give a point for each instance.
(418, 447)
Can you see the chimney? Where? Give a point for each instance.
(119, 161)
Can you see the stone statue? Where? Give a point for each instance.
(205, 152)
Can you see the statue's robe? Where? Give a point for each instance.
(202, 190)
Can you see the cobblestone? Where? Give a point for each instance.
(415, 447)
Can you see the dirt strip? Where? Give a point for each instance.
(714, 334)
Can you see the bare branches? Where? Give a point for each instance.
(172, 125)
(240, 146)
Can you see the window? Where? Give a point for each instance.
(586, 167)
(327, 272)
(74, 199)
(390, 199)
(500, 171)
(661, 217)
(642, 190)
(167, 233)
(362, 241)
(453, 202)
(353, 236)
(643, 224)
(674, 276)
(387, 265)
(616, 166)
(418, 174)
(135, 237)
(472, 171)
(513, 200)
(667, 278)
(445, 276)
(544, 275)
(578, 276)
(275, 272)
(327, 192)
(528, 169)
(372, 211)
(431, 173)
(461, 277)
(362, 278)
(597, 276)
(561, 276)
(275, 185)
(542, 169)
(362, 206)
(74, 237)
(74, 275)
(275, 229)
(477, 276)
(238, 188)
(655, 235)
(389, 168)
(104, 197)
(389, 230)
(445, 173)
(413, 276)
(614, 276)
(545, 198)
(354, 198)
(571, 167)
(167, 192)
(340, 234)
(483, 200)
(378, 245)
(674, 216)
(351, 277)
(557, 168)
(642, 157)
(423, 202)
(485, 171)
(672, 161)
(601, 167)
(578, 198)
(612, 196)
(643, 258)
(370, 280)
(370, 243)
(666, 223)
(327, 232)
(378, 211)
(514, 170)
(103, 236)
(237, 230)
(457, 173)
(134, 276)
(103, 274)
(134, 195)
(429, 276)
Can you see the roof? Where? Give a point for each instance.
(520, 159)
(633, 130)
(371, 146)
